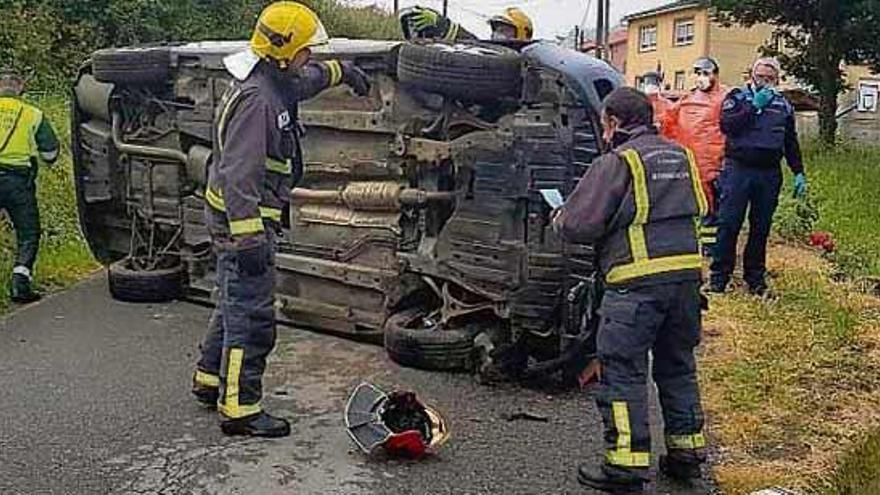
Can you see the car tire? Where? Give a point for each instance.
(465, 71)
(410, 343)
(138, 66)
(154, 286)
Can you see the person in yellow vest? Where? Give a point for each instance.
(25, 138)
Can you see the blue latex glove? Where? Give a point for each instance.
(763, 98)
(800, 185)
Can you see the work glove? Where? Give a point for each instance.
(763, 98)
(422, 18)
(800, 185)
(355, 78)
(252, 256)
(421, 22)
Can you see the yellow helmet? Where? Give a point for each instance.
(517, 19)
(285, 28)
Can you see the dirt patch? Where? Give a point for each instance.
(793, 382)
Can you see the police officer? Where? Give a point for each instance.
(760, 127)
(695, 122)
(420, 22)
(25, 137)
(257, 162)
(640, 205)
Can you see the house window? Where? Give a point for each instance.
(680, 80)
(684, 32)
(648, 38)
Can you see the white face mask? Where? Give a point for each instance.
(652, 89)
(704, 83)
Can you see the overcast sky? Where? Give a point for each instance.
(551, 17)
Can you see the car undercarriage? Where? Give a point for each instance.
(419, 222)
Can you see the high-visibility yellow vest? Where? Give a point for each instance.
(19, 123)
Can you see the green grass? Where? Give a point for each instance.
(845, 184)
(792, 385)
(64, 257)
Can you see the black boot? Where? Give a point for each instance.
(257, 425)
(616, 481)
(680, 470)
(21, 291)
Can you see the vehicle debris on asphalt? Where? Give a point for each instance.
(397, 421)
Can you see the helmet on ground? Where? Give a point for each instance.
(518, 20)
(284, 29)
(708, 64)
(397, 422)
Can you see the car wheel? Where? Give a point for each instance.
(465, 71)
(140, 66)
(132, 285)
(413, 340)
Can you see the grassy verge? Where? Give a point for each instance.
(792, 386)
(843, 187)
(64, 257)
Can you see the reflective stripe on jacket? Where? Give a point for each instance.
(25, 135)
(256, 145)
(641, 205)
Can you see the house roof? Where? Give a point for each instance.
(664, 9)
(616, 37)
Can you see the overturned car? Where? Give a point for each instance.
(419, 221)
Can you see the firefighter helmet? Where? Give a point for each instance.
(518, 20)
(284, 29)
(397, 422)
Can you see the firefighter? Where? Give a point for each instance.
(640, 205)
(760, 127)
(421, 22)
(652, 84)
(695, 122)
(26, 137)
(257, 161)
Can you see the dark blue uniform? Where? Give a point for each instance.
(641, 205)
(751, 178)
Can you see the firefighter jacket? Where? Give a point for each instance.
(640, 205)
(695, 123)
(257, 155)
(760, 138)
(25, 135)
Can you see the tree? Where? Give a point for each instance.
(817, 37)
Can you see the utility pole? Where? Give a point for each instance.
(606, 36)
(396, 6)
(577, 38)
(600, 30)
(445, 8)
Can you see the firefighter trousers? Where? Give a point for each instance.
(18, 196)
(663, 319)
(709, 227)
(241, 333)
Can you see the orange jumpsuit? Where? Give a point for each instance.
(661, 106)
(695, 122)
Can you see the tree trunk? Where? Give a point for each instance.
(828, 117)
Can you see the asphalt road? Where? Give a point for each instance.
(95, 400)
